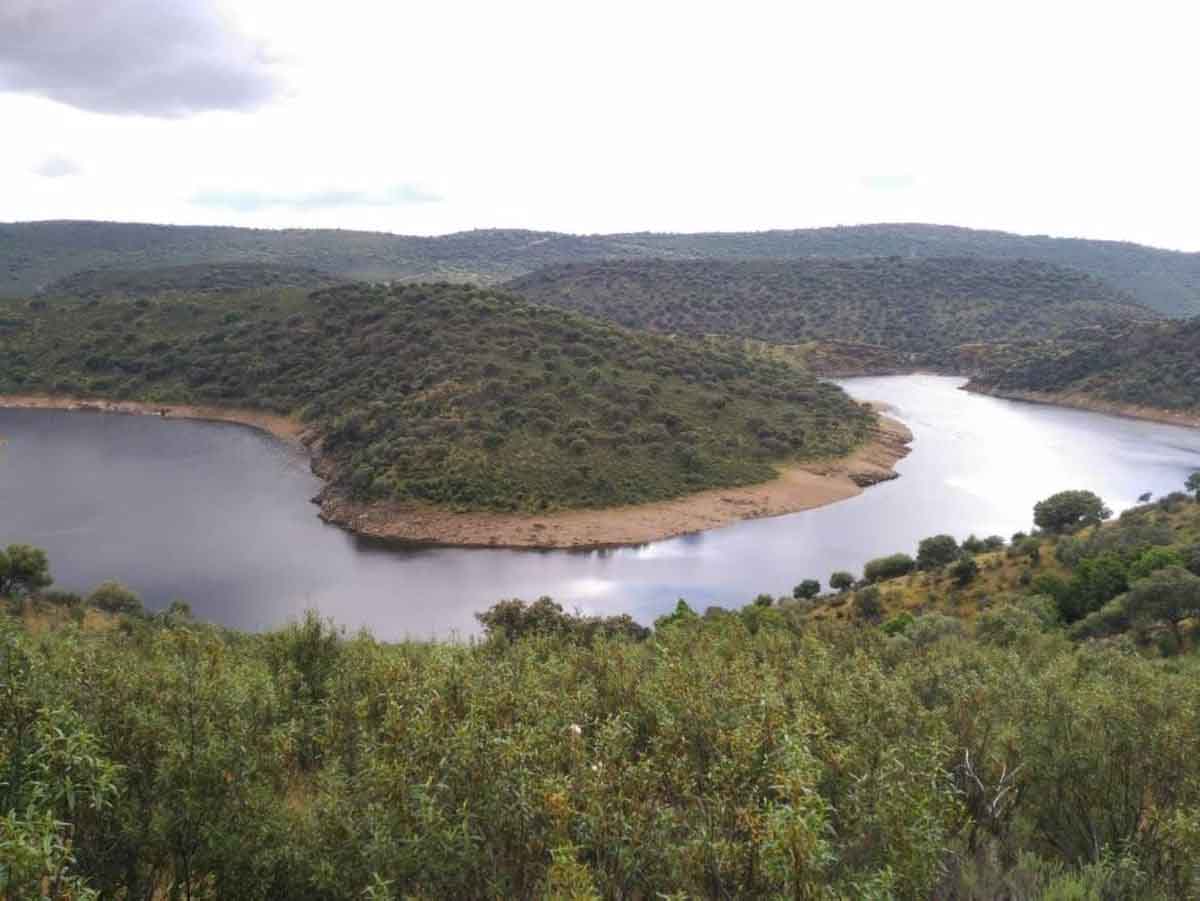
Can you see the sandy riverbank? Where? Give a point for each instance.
(798, 487)
(1081, 401)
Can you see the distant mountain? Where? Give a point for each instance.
(922, 307)
(1155, 366)
(195, 278)
(35, 254)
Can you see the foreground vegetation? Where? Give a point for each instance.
(920, 309)
(768, 752)
(1156, 366)
(448, 395)
(35, 254)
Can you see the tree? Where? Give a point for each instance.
(868, 604)
(891, 567)
(1069, 510)
(965, 570)
(1193, 485)
(936, 552)
(23, 569)
(114, 597)
(1169, 595)
(841, 581)
(807, 589)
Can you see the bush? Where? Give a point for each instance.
(1068, 511)
(868, 604)
(23, 569)
(113, 597)
(936, 552)
(890, 567)
(965, 570)
(807, 589)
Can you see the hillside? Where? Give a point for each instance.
(1026, 732)
(196, 278)
(922, 308)
(445, 395)
(35, 254)
(1146, 368)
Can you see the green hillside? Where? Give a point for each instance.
(1152, 365)
(35, 254)
(1012, 721)
(196, 278)
(446, 394)
(923, 308)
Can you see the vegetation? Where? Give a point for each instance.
(1069, 510)
(1154, 366)
(35, 254)
(920, 309)
(766, 752)
(197, 278)
(447, 395)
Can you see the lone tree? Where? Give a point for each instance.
(1193, 485)
(936, 552)
(23, 569)
(1069, 510)
(807, 590)
(841, 581)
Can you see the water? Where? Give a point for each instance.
(219, 515)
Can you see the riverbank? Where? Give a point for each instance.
(798, 487)
(284, 428)
(1080, 401)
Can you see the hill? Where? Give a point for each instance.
(196, 278)
(446, 395)
(33, 255)
(1149, 368)
(922, 308)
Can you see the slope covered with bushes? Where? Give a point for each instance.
(922, 308)
(759, 753)
(35, 254)
(1154, 366)
(449, 395)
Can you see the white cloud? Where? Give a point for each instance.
(153, 57)
(56, 167)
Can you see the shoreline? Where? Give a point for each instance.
(285, 428)
(1091, 404)
(798, 487)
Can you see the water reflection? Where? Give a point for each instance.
(219, 515)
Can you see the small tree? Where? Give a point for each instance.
(868, 604)
(890, 567)
(841, 581)
(1068, 511)
(965, 570)
(1169, 595)
(936, 552)
(1193, 485)
(806, 590)
(114, 597)
(23, 569)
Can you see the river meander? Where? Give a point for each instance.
(219, 515)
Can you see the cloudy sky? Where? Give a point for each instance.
(429, 116)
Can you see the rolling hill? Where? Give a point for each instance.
(446, 395)
(33, 255)
(1154, 366)
(921, 308)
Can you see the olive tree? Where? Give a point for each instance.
(1193, 485)
(807, 589)
(936, 552)
(23, 569)
(1069, 510)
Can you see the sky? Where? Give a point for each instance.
(430, 116)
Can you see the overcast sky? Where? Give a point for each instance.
(428, 116)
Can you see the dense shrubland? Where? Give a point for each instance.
(761, 752)
(921, 308)
(35, 254)
(444, 394)
(196, 278)
(1151, 366)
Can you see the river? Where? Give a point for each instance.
(219, 515)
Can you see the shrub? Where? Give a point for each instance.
(113, 597)
(1068, 511)
(890, 567)
(807, 589)
(936, 552)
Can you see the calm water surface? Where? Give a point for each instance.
(219, 515)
